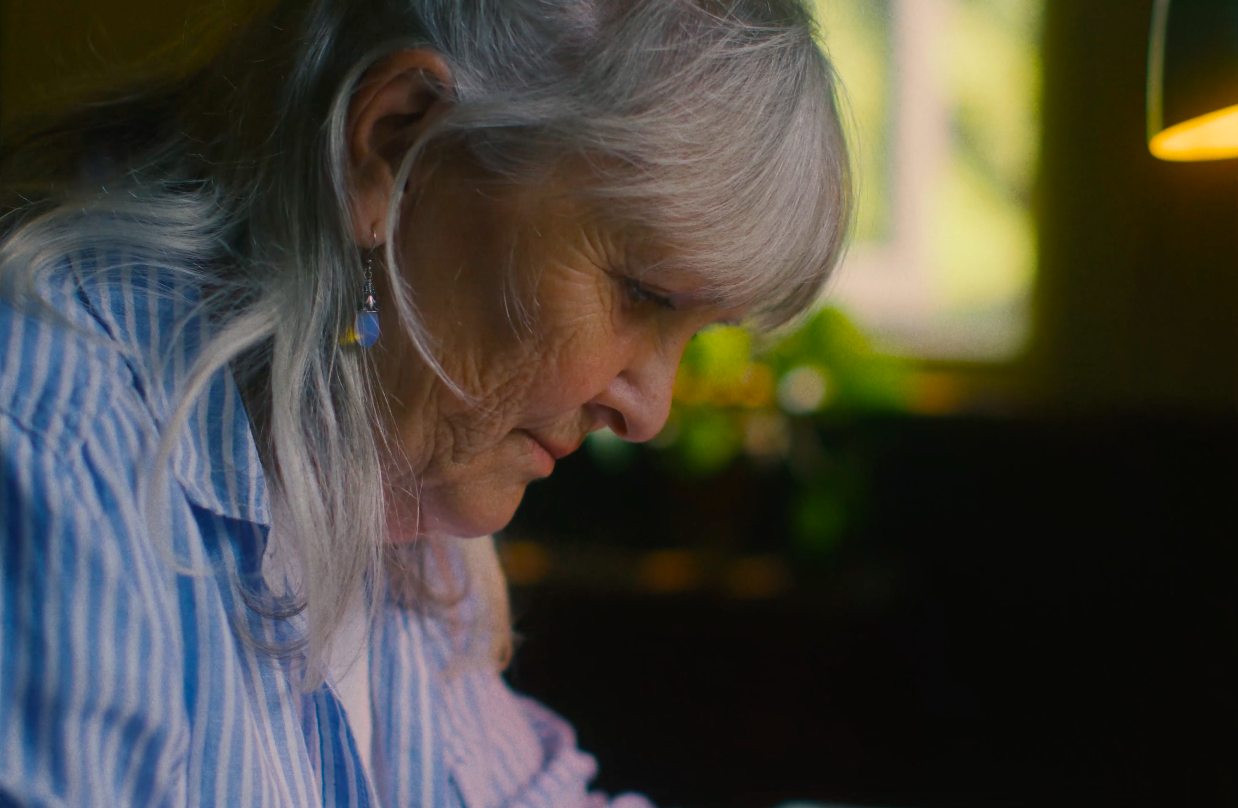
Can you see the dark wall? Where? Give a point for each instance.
(46, 43)
(1137, 289)
(1034, 612)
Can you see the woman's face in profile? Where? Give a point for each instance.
(552, 318)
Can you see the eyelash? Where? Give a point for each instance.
(638, 293)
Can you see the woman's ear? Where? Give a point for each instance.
(392, 105)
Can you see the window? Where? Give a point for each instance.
(944, 101)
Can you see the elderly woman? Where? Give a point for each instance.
(284, 331)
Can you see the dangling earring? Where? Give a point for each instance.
(365, 330)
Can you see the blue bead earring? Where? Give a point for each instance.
(365, 330)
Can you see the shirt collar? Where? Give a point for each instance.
(216, 460)
(148, 312)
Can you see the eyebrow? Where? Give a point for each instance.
(686, 300)
(680, 300)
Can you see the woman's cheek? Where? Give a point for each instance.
(581, 381)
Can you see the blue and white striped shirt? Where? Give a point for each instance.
(123, 682)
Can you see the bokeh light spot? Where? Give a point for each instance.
(803, 390)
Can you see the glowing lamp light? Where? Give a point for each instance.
(1193, 80)
(1213, 136)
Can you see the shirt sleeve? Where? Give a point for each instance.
(92, 709)
(450, 732)
(558, 742)
(505, 750)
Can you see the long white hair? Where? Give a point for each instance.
(713, 123)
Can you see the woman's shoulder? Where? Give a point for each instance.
(97, 617)
(61, 370)
(103, 354)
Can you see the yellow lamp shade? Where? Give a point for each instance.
(1213, 136)
(1193, 80)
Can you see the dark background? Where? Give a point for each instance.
(1037, 605)
(1039, 611)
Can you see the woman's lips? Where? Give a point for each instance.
(556, 450)
(545, 456)
(549, 449)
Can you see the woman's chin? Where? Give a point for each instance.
(469, 511)
(478, 499)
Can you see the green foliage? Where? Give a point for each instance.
(719, 352)
(708, 441)
(735, 402)
(862, 380)
(722, 385)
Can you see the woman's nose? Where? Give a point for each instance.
(637, 402)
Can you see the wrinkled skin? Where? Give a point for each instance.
(608, 318)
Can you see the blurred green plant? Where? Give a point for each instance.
(732, 399)
(738, 401)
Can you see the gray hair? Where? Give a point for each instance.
(711, 123)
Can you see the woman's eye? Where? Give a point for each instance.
(639, 293)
